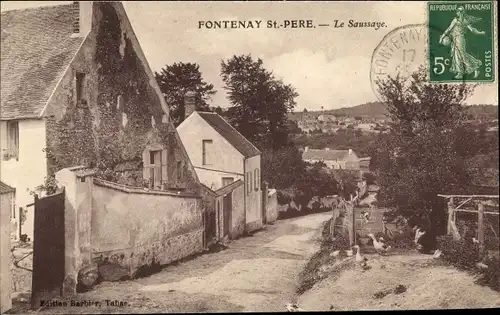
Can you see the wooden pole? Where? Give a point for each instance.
(480, 227)
(450, 216)
(353, 225)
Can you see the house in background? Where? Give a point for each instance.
(76, 89)
(334, 159)
(221, 156)
(364, 164)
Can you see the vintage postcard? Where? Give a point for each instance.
(277, 156)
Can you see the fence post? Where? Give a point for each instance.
(450, 216)
(480, 227)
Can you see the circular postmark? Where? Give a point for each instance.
(402, 51)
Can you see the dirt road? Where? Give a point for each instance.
(426, 284)
(256, 273)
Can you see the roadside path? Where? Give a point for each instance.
(256, 273)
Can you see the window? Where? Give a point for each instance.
(256, 178)
(155, 168)
(207, 152)
(80, 88)
(249, 182)
(227, 180)
(12, 139)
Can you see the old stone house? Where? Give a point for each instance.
(221, 155)
(77, 90)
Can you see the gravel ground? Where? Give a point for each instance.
(256, 273)
(429, 285)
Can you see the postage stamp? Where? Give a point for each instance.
(461, 41)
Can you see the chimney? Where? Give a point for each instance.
(189, 103)
(306, 149)
(82, 18)
(350, 151)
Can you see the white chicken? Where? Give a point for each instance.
(380, 247)
(335, 253)
(359, 258)
(418, 234)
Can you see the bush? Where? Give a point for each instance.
(491, 276)
(461, 254)
(465, 255)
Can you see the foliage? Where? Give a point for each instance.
(317, 181)
(105, 129)
(49, 186)
(347, 182)
(282, 168)
(176, 80)
(491, 276)
(418, 159)
(260, 102)
(369, 177)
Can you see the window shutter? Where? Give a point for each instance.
(249, 182)
(145, 166)
(256, 179)
(164, 170)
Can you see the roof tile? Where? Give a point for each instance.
(37, 47)
(329, 155)
(4, 188)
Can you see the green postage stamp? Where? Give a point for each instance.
(461, 41)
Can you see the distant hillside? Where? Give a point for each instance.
(378, 110)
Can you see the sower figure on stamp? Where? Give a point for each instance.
(461, 62)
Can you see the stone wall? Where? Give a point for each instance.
(5, 256)
(133, 228)
(121, 230)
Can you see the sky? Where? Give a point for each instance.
(329, 67)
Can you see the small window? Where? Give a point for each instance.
(12, 139)
(80, 88)
(207, 152)
(152, 157)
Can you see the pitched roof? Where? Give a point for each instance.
(322, 154)
(4, 188)
(232, 135)
(37, 48)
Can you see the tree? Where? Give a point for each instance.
(260, 102)
(420, 156)
(177, 79)
(305, 110)
(282, 168)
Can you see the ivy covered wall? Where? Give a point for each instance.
(119, 112)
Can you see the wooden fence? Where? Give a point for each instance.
(343, 218)
(457, 203)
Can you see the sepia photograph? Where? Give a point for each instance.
(248, 156)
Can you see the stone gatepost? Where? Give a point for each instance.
(78, 184)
